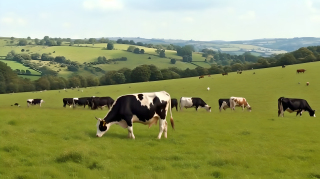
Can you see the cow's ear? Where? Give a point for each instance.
(98, 119)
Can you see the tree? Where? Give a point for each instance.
(155, 73)
(127, 73)
(12, 38)
(74, 82)
(186, 50)
(162, 54)
(59, 42)
(28, 38)
(131, 48)
(302, 53)
(139, 44)
(136, 50)
(28, 72)
(202, 71)
(22, 50)
(110, 46)
(141, 74)
(132, 42)
(142, 51)
(119, 78)
(36, 41)
(73, 68)
(237, 66)
(42, 83)
(166, 73)
(119, 41)
(287, 59)
(22, 72)
(22, 42)
(173, 61)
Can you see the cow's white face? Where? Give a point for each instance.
(208, 108)
(102, 127)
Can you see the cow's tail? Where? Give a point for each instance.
(171, 118)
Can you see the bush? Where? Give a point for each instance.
(173, 61)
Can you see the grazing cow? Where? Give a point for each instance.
(301, 70)
(307, 83)
(189, 102)
(239, 101)
(34, 102)
(224, 103)
(202, 76)
(100, 102)
(81, 101)
(174, 103)
(283, 66)
(68, 101)
(145, 108)
(209, 75)
(224, 74)
(239, 72)
(294, 105)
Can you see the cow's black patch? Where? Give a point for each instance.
(140, 96)
(196, 102)
(174, 103)
(293, 104)
(127, 106)
(102, 126)
(100, 102)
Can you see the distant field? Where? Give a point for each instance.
(230, 49)
(30, 77)
(15, 65)
(202, 64)
(56, 142)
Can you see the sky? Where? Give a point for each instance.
(202, 20)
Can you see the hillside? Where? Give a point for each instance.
(227, 144)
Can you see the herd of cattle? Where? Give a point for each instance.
(149, 108)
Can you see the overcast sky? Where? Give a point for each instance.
(169, 19)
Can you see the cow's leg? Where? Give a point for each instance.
(177, 107)
(128, 120)
(165, 130)
(162, 125)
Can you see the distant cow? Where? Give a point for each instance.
(301, 70)
(239, 101)
(68, 101)
(307, 83)
(239, 72)
(100, 102)
(294, 105)
(145, 108)
(34, 102)
(81, 101)
(224, 103)
(202, 76)
(189, 102)
(224, 74)
(283, 66)
(16, 104)
(174, 103)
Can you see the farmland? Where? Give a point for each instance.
(57, 142)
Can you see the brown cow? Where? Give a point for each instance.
(224, 74)
(307, 83)
(202, 76)
(301, 70)
(209, 75)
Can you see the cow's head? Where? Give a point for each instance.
(249, 108)
(312, 113)
(208, 108)
(102, 127)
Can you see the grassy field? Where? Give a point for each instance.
(15, 65)
(57, 142)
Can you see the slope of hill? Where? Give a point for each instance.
(227, 144)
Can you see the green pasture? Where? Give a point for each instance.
(202, 64)
(30, 77)
(57, 142)
(15, 65)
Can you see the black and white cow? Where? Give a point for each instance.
(145, 108)
(100, 102)
(34, 102)
(224, 103)
(294, 105)
(189, 102)
(174, 103)
(67, 101)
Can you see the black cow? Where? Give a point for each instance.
(187, 102)
(174, 103)
(82, 101)
(34, 102)
(67, 101)
(224, 103)
(145, 108)
(100, 102)
(294, 105)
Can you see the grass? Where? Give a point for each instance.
(15, 65)
(57, 142)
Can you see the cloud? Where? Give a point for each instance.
(176, 5)
(249, 15)
(102, 4)
(13, 21)
(188, 19)
(43, 15)
(66, 25)
(313, 5)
